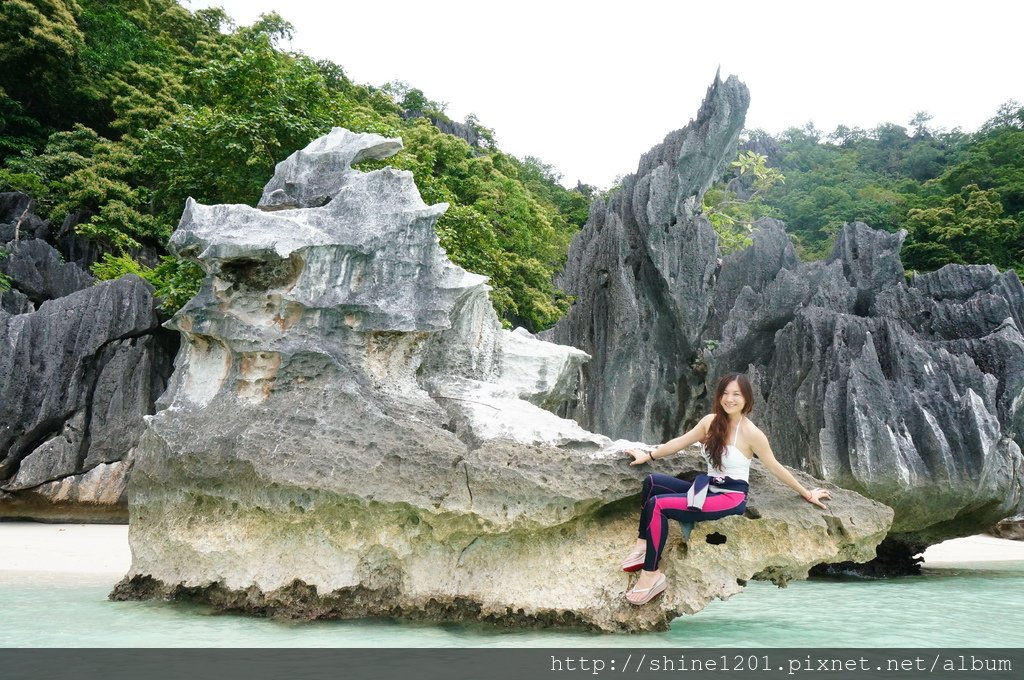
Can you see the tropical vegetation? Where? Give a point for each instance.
(115, 111)
(959, 196)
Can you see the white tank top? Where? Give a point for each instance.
(734, 463)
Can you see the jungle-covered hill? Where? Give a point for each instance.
(959, 195)
(112, 112)
(115, 111)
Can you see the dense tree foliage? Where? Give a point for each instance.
(959, 196)
(117, 110)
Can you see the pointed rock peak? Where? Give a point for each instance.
(312, 176)
(870, 257)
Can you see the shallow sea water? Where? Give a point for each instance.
(957, 605)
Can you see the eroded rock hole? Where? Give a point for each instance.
(249, 274)
(715, 538)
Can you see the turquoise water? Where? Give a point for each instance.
(967, 605)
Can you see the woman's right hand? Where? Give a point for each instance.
(639, 457)
(815, 496)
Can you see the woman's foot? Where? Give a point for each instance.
(647, 587)
(635, 559)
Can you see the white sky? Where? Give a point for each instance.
(589, 86)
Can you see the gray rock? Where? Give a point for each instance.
(311, 177)
(14, 205)
(907, 392)
(55, 458)
(15, 302)
(350, 432)
(97, 495)
(78, 375)
(73, 247)
(755, 294)
(17, 221)
(456, 129)
(447, 126)
(38, 271)
(1011, 528)
(642, 271)
(910, 392)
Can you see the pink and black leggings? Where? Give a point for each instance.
(664, 498)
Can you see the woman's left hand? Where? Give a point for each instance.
(816, 495)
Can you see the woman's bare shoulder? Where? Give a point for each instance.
(706, 420)
(703, 424)
(749, 426)
(753, 432)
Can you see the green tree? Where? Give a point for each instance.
(41, 42)
(920, 124)
(1009, 115)
(733, 215)
(965, 228)
(995, 162)
(242, 111)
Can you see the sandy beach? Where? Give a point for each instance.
(980, 548)
(103, 549)
(64, 548)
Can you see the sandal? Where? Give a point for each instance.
(657, 589)
(634, 560)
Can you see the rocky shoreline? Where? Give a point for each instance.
(348, 430)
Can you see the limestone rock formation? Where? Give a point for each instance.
(310, 176)
(37, 271)
(77, 376)
(1011, 528)
(17, 221)
(906, 391)
(15, 302)
(642, 270)
(349, 432)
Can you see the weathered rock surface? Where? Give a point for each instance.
(350, 432)
(37, 270)
(642, 270)
(456, 129)
(907, 392)
(310, 177)
(447, 126)
(15, 302)
(77, 376)
(17, 221)
(1010, 528)
(76, 248)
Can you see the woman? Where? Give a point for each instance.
(730, 440)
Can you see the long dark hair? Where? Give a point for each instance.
(718, 432)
